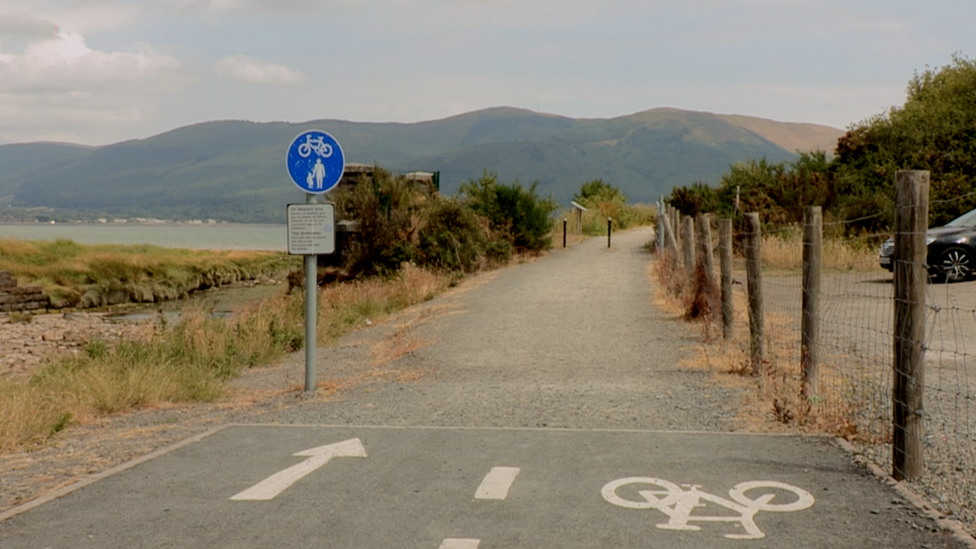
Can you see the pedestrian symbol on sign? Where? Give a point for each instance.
(315, 162)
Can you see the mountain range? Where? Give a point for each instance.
(235, 170)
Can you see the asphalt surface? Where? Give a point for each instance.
(541, 407)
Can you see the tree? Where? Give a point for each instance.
(934, 130)
(594, 192)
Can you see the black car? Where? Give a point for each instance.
(952, 249)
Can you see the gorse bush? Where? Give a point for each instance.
(514, 213)
(454, 238)
(403, 221)
(388, 209)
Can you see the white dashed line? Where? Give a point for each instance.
(496, 483)
(460, 544)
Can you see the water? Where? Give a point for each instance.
(226, 236)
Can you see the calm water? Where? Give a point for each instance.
(208, 237)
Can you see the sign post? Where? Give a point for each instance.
(315, 164)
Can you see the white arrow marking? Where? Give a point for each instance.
(317, 457)
(496, 483)
(460, 544)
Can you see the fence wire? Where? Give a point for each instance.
(856, 381)
(856, 375)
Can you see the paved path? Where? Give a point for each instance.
(568, 341)
(549, 412)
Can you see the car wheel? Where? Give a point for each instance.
(956, 264)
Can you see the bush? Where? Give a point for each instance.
(514, 213)
(452, 237)
(387, 209)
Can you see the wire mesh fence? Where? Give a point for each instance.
(857, 394)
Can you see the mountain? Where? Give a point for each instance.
(234, 170)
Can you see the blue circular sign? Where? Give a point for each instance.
(315, 162)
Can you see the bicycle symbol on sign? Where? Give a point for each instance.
(318, 145)
(679, 504)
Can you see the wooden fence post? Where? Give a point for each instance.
(810, 327)
(704, 244)
(670, 240)
(676, 225)
(688, 244)
(911, 276)
(660, 226)
(725, 264)
(752, 247)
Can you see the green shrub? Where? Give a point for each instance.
(452, 237)
(514, 213)
(387, 208)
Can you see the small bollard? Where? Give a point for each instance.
(564, 232)
(609, 230)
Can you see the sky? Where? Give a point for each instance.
(96, 72)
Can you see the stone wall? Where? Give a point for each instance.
(14, 298)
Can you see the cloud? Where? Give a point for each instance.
(22, 25)
(59, 88)
(257, 6)
(65, 63)
(245, 69)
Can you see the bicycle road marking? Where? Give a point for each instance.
(497, 483)
(679, 504)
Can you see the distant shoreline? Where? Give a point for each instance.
(141, 224)
(220, 236)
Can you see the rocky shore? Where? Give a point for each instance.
(28, 340)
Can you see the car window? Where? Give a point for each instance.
(967, 219)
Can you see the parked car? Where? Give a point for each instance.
(951, 249)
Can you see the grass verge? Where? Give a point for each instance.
(193, 359)
(76, 275)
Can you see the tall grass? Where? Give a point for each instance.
(193, 359)
(93, 275)
(350, 305)
(783, 251)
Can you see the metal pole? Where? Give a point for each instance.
(311, 310)
(564, 232)
(609, 227)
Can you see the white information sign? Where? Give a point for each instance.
(311, 229)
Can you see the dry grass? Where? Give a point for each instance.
(772, 399)
(194, 359)
(360, 303)
(783, 251)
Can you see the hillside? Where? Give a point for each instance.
(234, 170)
